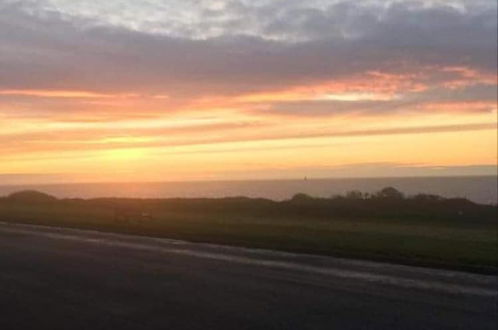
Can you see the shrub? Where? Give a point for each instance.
(31, 196)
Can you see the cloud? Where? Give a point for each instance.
(475, 98)
(81, 48)
(85, 139)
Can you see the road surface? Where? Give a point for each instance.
(53, 278)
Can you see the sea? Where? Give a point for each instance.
(480, 189)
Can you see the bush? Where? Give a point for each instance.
(390, 193)
(31, 196)
(300, 198)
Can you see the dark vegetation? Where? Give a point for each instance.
(422, 229)
(30, 196)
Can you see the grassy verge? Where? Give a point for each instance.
(437, 243)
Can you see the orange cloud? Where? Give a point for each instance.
(60, 93)
(466, 76)
(372, 86)
(470, 106)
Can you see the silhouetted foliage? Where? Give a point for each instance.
(300, 198)
(390, 203)
(31, 196)
(427, 198)
(356, 194)
(387, 203)
(390, 193)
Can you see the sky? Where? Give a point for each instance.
(174, 90)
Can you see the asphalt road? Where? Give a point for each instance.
(73, 279)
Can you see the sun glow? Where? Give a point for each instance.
(125, 154)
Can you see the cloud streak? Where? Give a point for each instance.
(104, 139)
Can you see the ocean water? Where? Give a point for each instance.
(481, 189)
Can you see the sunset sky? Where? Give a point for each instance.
(172, 90)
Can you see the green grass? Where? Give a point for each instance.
(439, 243)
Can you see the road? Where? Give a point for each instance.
(53, 278)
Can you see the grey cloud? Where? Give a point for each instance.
(59, 51)
(472, 93)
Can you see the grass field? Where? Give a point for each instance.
(440, 242)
